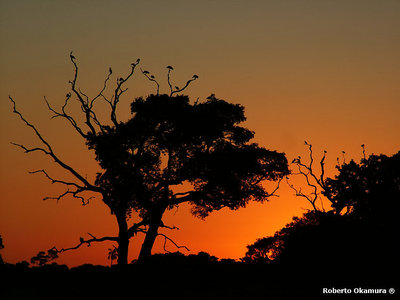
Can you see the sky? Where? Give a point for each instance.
(323, 71)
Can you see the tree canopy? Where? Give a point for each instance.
(170, 142)
(370, 189)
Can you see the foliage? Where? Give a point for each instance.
(365, 233)
(43, 258)
(370, 189)
(170, 142)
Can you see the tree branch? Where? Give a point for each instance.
(49, 151)
(151, 78)
(84, 104)
(56, 180)
(299, 193)
(88, 242)
(119, 91)
(136, 228)
(177, 89)
(272, 194)
(175, 244)
(64, 115)
(308, 173)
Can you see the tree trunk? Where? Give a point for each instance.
(152, 232)
(123, 240)
(145, 251)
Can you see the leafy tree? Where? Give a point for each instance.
(43, 258)
(368, 190)
(272, 248)
(166, 143)
(361, 227)
(262, 250)
(170, 142)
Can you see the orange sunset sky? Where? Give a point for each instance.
(323, 71)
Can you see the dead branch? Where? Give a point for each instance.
(119, 91)
(88, 242)
(177, 89)
(64, 115)
(151, 78)
(56, 180)
(273, 193)
(75, 193)
(47, 149)
(316, 183)
(84, 103)
(175, 244)
(299, 193)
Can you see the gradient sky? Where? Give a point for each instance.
(323, 71)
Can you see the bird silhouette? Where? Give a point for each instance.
(146, 72)
(70, 55)
(110, 70)
(195, 76)
(170, 68)
(81, 239)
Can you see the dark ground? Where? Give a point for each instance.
(173, 278)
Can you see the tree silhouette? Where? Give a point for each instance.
(360, 228)
(368, 190)
(315, 182)
(43, 258)
(167, 142)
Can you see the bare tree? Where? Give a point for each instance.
(318, 185)
(315, 182)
